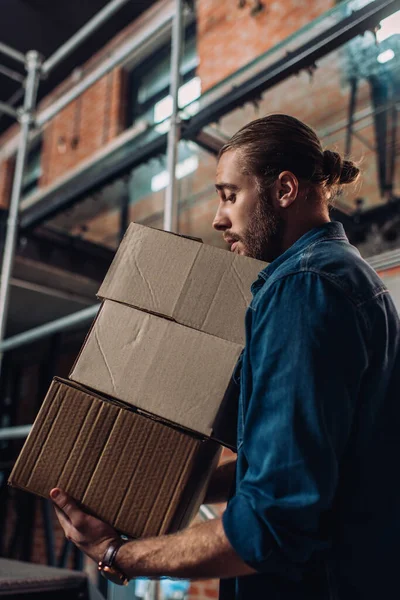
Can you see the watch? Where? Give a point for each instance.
(106, 565)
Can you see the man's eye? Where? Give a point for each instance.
(231, 198)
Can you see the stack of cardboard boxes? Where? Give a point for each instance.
(135, 433)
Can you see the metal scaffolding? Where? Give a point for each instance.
(33, 66)
(28, 119)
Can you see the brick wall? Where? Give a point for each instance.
(229, 37)
(83, 127)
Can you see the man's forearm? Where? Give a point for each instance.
(200, 552)
(221, 483)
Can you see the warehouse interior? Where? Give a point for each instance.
(113, 111)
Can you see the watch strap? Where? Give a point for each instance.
(111, 552)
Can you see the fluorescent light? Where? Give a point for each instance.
(388, 27)
(384, 57)
(163, 109)
(159, 181)
(187, 166)
(188, 93)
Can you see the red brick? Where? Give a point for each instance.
(211, 593)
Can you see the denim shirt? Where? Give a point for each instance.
(316, 511)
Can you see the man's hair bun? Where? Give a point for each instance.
(337, 170)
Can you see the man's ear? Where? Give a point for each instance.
(287, 189)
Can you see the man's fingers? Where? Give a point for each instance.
(62, 517)
(67, 505)
(64, 522)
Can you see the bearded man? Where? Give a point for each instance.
(315, 509)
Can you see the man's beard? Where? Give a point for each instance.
(264, 234)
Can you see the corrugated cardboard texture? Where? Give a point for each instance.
(157, 365)
(143, 477)
(192, 283)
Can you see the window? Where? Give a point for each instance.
(154, 177)
(149, 84)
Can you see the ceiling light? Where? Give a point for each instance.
(384, 57)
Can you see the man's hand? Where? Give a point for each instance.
(90, 534)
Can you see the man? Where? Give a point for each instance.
(316, 509)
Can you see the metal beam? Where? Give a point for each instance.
(32, 335)
(352, 107)
(380, 95)
(364, 141)
(124, 209)
(14, 75)
(170, 204)
(210, 140)
(16, 97)
(8, 110)
(357, 23)
(81, 35)
(15, 433)
(11, 53)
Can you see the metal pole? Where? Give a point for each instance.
(15, 433)
(12, 74)
(33, 70)
(170, 208)
(11, 53)
(352, 106)
(124, 214)
(8, 110)
(27, 337)
(81, 35)
(159, 26)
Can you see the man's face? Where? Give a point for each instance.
(251, 225)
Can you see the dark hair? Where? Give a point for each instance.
(279, 143)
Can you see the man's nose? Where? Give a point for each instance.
(221, 220)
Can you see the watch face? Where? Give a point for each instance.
(113, 575)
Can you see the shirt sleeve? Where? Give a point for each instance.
(306, 355)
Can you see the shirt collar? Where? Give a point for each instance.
(331, 230)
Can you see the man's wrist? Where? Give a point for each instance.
(107, 565)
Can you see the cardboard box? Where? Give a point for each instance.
(162, 367)
(194, 284)
(140, 475)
